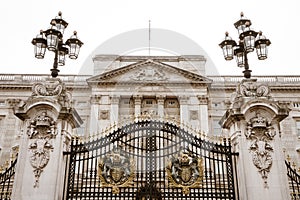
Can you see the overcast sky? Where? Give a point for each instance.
(204, 22)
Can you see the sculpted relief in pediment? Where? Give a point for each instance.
(148, 74)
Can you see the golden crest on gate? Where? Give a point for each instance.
(115, 170)
(186, 174)
(185, 170)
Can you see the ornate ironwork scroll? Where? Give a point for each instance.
(185, 171)
(115, 170)
(261, 132)
(41, 130)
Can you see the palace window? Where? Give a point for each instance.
(149, 102)
(171, 103)
(149, 106)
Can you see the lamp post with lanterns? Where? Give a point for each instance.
(248, 41)
(52, 39)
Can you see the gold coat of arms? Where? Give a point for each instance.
(185, 170)
(115, 170)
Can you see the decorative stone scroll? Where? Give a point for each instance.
(40, 132)
(250, 88)
(185, 171)
(116, 170)
(53, 87)
(260, 132)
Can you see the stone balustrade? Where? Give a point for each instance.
(80, 79)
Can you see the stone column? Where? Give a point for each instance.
(253, 123)
(137, 105)
(49, 120)
(160, 106)
(94, 114)
(114, 109)
(184, 112)
(203, 107)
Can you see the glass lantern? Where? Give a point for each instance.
(261, 45)
(62, 52)
(74, 46)
(239, 55)
(59, 23)
(243, 24)
(53, 36)
(40, 45)
(248, 39)
(227, 46)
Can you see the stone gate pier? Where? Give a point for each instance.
(48, 119)
(253, 122)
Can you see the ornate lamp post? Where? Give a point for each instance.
(52, 39)
(249, 40)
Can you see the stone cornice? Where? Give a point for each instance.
(114, 57)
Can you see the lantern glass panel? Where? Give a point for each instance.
(60, 27)
(52, 41)
(228, 52)
(262, 51)
(40, 45)
(242, 28)
(61, 59)
(249, 43)
(240, 59)
(39, 50)
(74, 50)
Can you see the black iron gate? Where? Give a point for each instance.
(7, 181)
(149, 160)
(294, 181)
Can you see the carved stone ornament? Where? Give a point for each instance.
(193, 115)
(185, 170)
(251, 88)
(104, 115)
(116, 170)
(40, 132)
(52, 88)
(149, 74)
(260, 131)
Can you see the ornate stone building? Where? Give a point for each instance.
(260, 116)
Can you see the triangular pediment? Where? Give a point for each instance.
(148, 71)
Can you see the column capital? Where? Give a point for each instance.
(95, 99)
(13, 102)
(160, 99)
(183, 99)
(137, 99)
(203, 99)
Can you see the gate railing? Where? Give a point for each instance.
(159, 159)
(7, 181)
(294, 181)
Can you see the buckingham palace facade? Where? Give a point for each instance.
(43, 120)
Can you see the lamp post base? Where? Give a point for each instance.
(247, 73)
(54, 72)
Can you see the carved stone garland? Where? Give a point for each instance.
(41, 130)
(260, 131)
